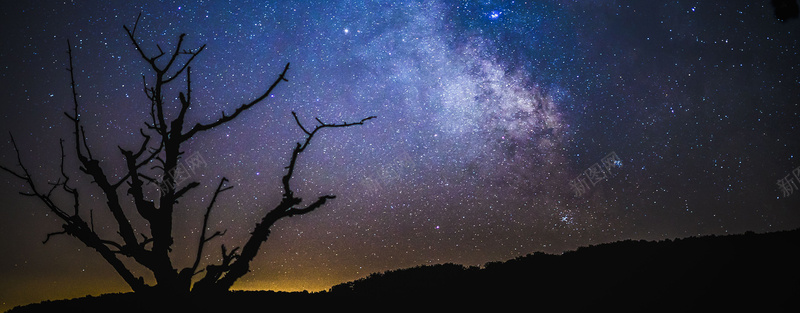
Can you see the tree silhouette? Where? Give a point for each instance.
(161, 145)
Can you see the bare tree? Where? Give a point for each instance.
(161, 143)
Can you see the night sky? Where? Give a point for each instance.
(504, 128)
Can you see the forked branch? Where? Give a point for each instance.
(214, 280)
(227, 118)
(161, 155)
(203, 240)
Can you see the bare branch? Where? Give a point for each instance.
(325, 125)
(18, 175)
(76, 227)
(92, 167)
(300, 124)
(53, 234)
(320, 201)
(75, 118)
(284, 209)
(216, 234)
(227, 118)
(186, 100)
(150, 159)
(228, 257)
(183, 190)
(220, 188)
(136, 23)
(113, 244)
(145, 240)
(145, 208)
(214, 272)
(131, 35)
(299, 148)
(85, 143)
(72, 191)
(26, 176)
(185, 65)
(134, 167)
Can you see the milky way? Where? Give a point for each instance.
(504, 127)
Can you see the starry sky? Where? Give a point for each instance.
(504, 128)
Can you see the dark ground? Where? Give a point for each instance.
(750, 271)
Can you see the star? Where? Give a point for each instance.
(491, 120)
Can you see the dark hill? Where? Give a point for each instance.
(756, 270)
(759, 271)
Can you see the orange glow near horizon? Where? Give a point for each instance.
(502, 129)
(35, 290)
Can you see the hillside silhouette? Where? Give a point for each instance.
(708, 272)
